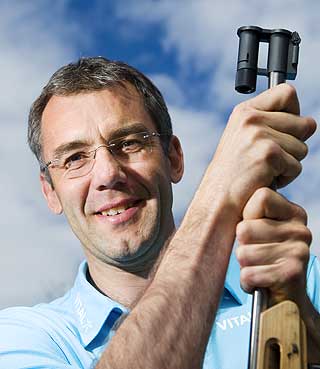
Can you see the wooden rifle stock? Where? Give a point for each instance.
(282, 342)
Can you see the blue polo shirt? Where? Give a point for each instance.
(73, 331)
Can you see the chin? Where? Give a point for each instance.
(139, 256)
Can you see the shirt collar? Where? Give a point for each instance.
(92, 308)
(232, 282)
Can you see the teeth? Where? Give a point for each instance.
(115, 211)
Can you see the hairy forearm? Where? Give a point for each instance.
(170, 325)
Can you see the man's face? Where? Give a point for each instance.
(120, 213)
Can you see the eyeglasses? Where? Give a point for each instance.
(132, 148)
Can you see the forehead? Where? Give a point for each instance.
(91, 116)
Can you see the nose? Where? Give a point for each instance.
(107, 172)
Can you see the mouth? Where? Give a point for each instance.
(119, 209)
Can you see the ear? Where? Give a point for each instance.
(175, 156)
(50, 195)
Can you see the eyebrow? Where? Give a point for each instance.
(69, 146)
(126, 130)
(80, 144)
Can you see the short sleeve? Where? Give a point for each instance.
(25, 345)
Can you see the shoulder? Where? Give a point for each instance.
(42, 319)
(22, 326)
(43, 316)
(38, 334)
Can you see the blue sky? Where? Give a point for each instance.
(188, 48)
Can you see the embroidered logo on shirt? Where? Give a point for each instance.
(233, 322)
(82, 314)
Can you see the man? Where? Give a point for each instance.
(148, 295)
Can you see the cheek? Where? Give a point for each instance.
(156, 181)
(73, 198)
(155, 170)
(162, 190)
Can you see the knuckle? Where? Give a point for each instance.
(247, 115)
(272, 149)
(300, 213)
(306, 235)
(242, 107)
(239, 255)
(239, 109)
(289, 91)
(243, 233)
(247, 279)
(257, 132)
(299, 252)
(263, 195)
(294, 271)
(297, 168)
(312, 124)
(250, 117)
(304, 150)
(244, 256)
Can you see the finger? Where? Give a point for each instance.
(288, 170)
(266, 203)
(278, 164)
(287, 130)
(289, 275)
(272, 253)
(291, 145)
(282, 97)
(259, 231)
(294, 125)
(297, 126)
(260, 254)
(261, 276)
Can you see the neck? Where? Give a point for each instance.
(123, 286)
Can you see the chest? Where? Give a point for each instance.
(228, 344)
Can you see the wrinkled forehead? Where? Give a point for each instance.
(91, 116)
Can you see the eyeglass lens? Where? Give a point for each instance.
(132, 148)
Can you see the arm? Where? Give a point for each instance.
(166, 329)
(273, 253)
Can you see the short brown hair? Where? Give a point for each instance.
(92, 74)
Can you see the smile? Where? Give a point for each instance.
(120, 209)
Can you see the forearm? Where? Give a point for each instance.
(170, 325)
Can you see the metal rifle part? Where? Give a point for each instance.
(282, 61)
(283, 55)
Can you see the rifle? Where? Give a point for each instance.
(278, 335)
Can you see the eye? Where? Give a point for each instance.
(130, 144)
(75, 160)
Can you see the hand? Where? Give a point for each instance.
(263, 141)
(273, 247)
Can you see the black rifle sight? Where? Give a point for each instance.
(282, 56)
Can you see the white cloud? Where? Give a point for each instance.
(35, 247)
(199, 133)
(170, 89)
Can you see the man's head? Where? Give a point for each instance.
(119, 208)
(94, 74)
